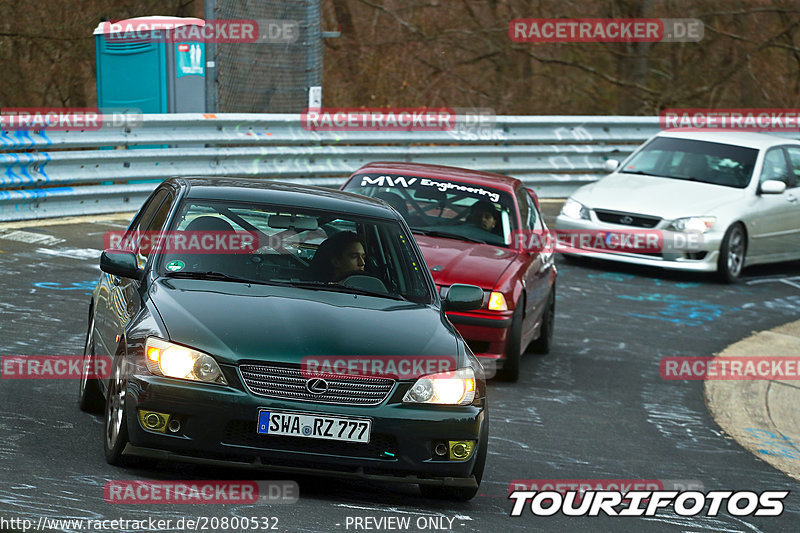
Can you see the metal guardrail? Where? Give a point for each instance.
(112, 169)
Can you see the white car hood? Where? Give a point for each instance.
(662, 197)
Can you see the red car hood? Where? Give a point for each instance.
(453, 261)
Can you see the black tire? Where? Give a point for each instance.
(732, 254)
(90, 399)
(115, 436)
(543, 344)
(510, 370)
(462, 494)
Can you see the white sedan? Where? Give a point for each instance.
(733, 195)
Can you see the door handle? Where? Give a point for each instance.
(791, 199)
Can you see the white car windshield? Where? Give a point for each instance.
(706, 162)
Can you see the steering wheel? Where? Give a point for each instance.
(359, 279)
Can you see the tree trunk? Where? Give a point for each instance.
(632, 61)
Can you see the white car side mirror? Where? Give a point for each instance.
(611, 165)
(772, 187)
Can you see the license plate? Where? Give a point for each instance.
(314, 426)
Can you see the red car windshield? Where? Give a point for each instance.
(444, 208)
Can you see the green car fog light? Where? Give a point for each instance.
(461, 450)
(422, 391)
(153, 421)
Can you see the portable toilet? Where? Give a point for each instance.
(139, 66)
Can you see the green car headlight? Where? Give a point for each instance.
(171, 360)
(445, 388)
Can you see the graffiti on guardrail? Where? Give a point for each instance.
(551, 154)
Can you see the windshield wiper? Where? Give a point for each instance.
(366, 292)
(337, 287)
(641, 173)
(684, 178)
(314, 285)
(435, 233)
(216, 276)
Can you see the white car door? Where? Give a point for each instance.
(775, 226)
(792, 196)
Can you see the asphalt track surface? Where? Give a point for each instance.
(594, 408)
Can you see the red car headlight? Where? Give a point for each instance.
(497, 302)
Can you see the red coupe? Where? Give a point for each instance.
(467, 224)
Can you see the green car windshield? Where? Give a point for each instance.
(444, 208)
(291, 246)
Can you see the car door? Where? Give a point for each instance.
(792, 197)
(776, 217)
(111, 306)
(533, 264)
(129, 289)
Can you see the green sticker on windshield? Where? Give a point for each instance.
(175, 266)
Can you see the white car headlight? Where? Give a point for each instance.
(574, 209)
(171, 360)
(446, 388)
(693, 224)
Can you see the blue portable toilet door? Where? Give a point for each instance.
(131, 74)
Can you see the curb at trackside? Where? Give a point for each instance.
(761, 415)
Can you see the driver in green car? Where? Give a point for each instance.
(339, 256)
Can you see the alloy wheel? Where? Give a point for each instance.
(735, 251)
(115, 407)
(87, 357)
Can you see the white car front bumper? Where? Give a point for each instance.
(679, 253)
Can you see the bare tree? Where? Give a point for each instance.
(47, 48)
(457, 53)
